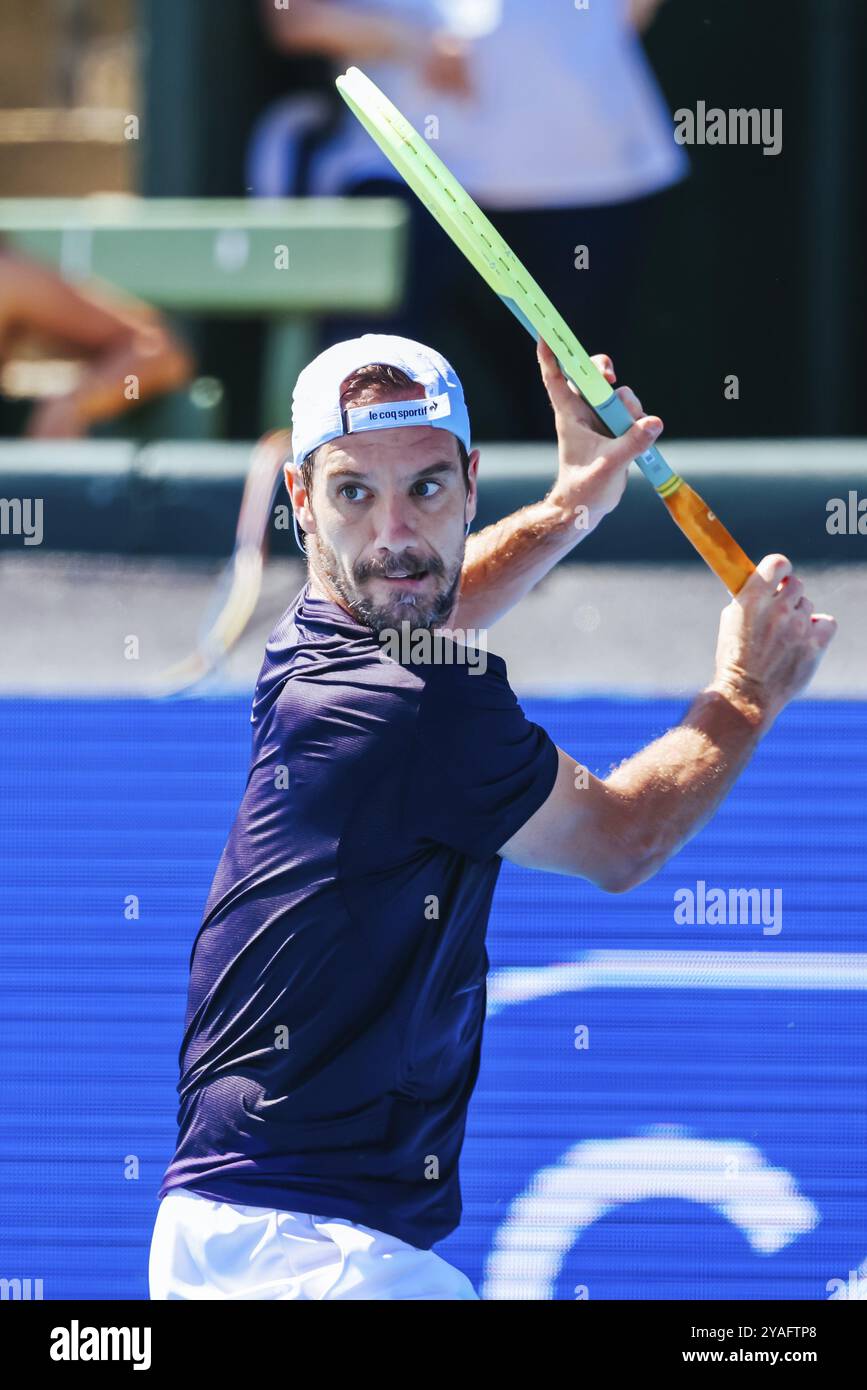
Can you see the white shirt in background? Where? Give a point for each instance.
(566, 109)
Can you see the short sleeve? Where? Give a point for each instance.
(479, 767)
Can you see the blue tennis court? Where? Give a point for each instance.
(666, 1108)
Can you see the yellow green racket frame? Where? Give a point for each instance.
(475, 235)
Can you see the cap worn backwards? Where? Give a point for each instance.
(317, 415)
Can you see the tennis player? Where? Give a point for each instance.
(337, 987)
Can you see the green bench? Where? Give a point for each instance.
(287, 259)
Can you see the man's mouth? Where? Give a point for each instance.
(406, 580)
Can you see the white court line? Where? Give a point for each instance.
(679, 970)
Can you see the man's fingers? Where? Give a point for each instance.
(635, 441)
(568, 403)
(790, 589)
(552, 374)
(605, 365)
(774, 568)
(774, 577)
(768, 573)
(631, 401)
(565, 397)
(823, 627)
(555, 382)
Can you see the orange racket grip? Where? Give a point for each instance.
(706, 532)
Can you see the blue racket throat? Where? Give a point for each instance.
(614, 415)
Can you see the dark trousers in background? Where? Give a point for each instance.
(449, 307)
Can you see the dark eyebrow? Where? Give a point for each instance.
(441, 466)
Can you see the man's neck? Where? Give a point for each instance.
(319, 588)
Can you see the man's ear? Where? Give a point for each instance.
(472, 482)
(297, 493)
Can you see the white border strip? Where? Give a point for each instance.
(679, 970)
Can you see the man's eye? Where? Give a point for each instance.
(350, 487)
(429, 482)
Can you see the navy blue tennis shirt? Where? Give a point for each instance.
(337, 995)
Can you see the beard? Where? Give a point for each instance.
(417, 608)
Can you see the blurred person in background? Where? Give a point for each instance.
(73, 356)
(550, 117)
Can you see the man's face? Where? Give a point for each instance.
(388, 512)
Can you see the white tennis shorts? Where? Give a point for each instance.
(206, 1249)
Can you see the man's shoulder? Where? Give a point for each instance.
(316, 658)
(465, 674)
(352, 687)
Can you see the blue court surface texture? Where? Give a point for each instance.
(665, 1109)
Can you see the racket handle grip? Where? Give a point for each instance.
(717, 547)
(719, 550)
(615, 415)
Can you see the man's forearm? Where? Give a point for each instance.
(505, 561)
(673, 787)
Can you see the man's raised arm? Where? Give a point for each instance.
(506, 560)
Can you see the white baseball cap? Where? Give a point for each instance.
(316, 411)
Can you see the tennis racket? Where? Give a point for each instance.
(475, 235)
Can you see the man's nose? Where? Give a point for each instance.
(394, 522)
